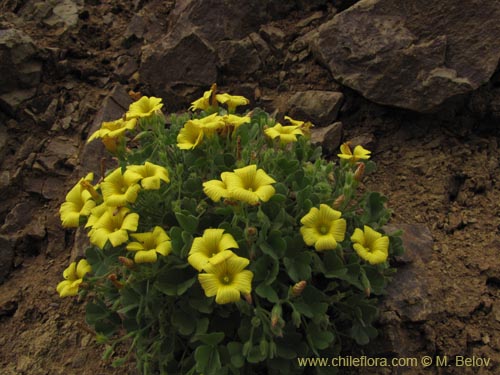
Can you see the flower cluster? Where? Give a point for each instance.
(224, 242)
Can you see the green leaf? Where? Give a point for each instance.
(298, 268)
(175, 281)
(187, 221)
(268, 292)
(207, 360)
(319, 337)
(235, 352)
(212, 338)
(333, 264)
(183, 321)
(264, 269)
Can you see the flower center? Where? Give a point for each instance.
(226, 279)
(323, 229)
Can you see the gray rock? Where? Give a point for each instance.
(414, 56)
(319, 107)
(328, 137)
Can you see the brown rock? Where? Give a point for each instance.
(319, 107)
(328, 138)
(414, 56)
(164, 73)
(242, 58)
(6, 259)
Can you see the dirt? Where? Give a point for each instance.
(438, 170)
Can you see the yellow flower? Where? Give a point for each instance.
(119, 188)
(249, 184)
(113, 129)
(78, 204)
(209, 124)
(189, 136)
(286, 134)
(113, 226)
(370, 245)
(236, 121)
(144, 107)
(212, 246)
(323, 228)
(232, 101)
(73, 278)
(359, 152)
(149, 175)
(149, 244)
(226, 280)
(206, 101)
(304, 126)
(216, 189)
(96, 213)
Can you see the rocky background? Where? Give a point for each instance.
(416, 82)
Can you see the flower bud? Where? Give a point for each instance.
(129, 263)
(248, 298)
(338, 201)
(88, 186)
(360, 170)
(251, 231)
(114, 279)
(298, 288)
(276, 315)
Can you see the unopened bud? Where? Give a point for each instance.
(114, 279)
(331, 177)
(127, 262)
(338, 201)
(248, 298)
(213, 98)
(360, 170)
(298, 288)
(276, 315)
(88, 186)
(251, 231)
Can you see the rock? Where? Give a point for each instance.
(165, 75)
(56, 154)
(273, 35)
(61, 14)
(319, 107)
(242, 58)
(413, 57)
(19, 67)
(6, 258)
(11, 101)
(328, 137)
(407, 292)
(216, 20)
(3, 143)
(196, 28)
(406, 302)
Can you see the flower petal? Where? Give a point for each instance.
(210, 283)
(148, 256)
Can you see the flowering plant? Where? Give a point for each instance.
(224, 243)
